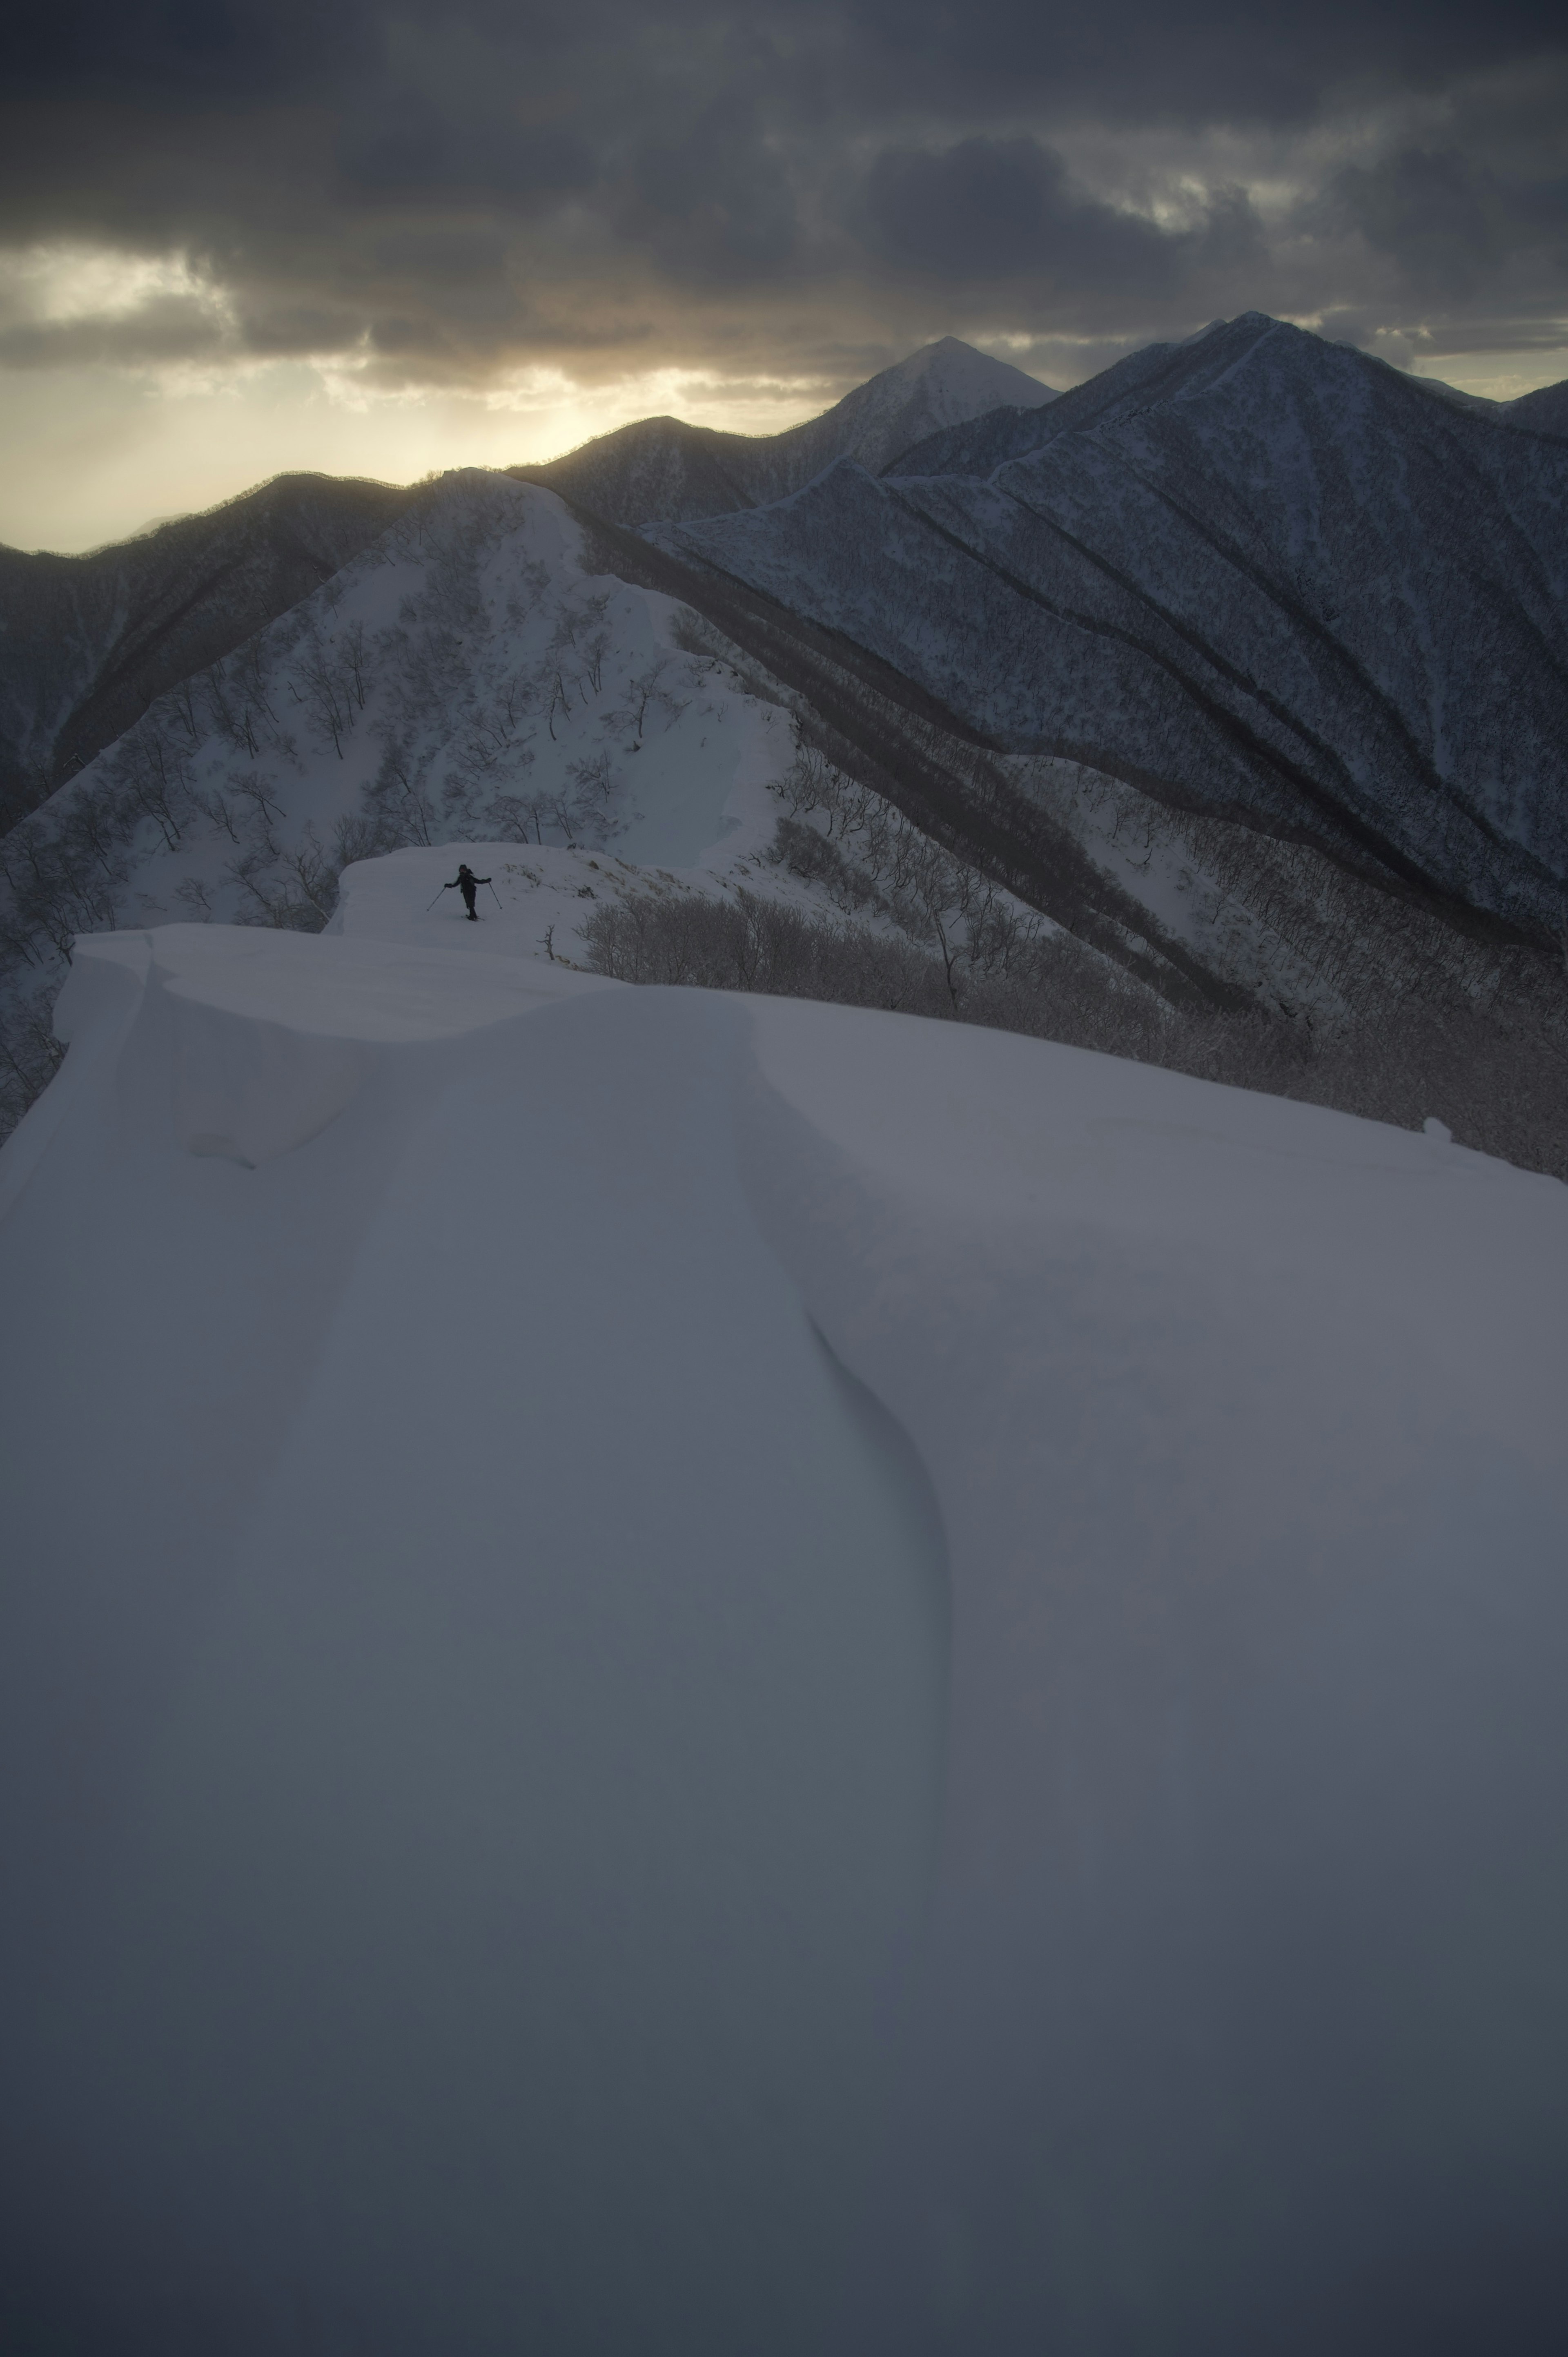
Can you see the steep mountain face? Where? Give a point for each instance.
(944, 385)
(463, 678)
(1256, 576)
(1221, 727)
(657, 469)
(977, 448)
(1155, 374)
(87, 642)
(742, 1508)
(661, 470)
(1545, 411)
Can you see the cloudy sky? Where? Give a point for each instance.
(245, 235)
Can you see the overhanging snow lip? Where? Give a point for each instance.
(381, 994)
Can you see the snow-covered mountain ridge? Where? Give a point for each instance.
(1254, 573)
(1231, 700)
(909, 1678)
(661, 470)
(681, 1670)
(469, 679)
(87, 642)
(465, 678)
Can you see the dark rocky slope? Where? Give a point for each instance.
(1256, 575)
(87, 642)
(1545, 411)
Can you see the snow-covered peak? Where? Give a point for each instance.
(962, 381)
(664, 472)
(944, 384)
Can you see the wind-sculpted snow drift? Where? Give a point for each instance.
(688, 1674)
(1231, 675)
(462, 679)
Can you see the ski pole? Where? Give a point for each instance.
(437, 896)
(495, 896)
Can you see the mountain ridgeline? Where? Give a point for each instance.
(662, 471)
(87, 642)
(1240, 669)
(1256, 576)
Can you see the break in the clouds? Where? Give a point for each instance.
(450, 200)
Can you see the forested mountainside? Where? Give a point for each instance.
(1545, 411)
(1258, 577)
(1222, 727)
(976, 448)
(910, 1679)
(1159, 372)
(87, 642)
(660, 470)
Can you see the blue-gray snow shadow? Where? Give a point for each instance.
(910, 1565)
(518, 1892)
(1238, 2025)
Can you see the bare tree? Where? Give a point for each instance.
(329, 690)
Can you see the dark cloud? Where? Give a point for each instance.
(1439, 213)
(713, 202)
(1213, 59)
(458, 185)
(295, 330)
(413, 146)
(170, 328)
(1199, 60)
(1450, 221)
(999, 208)
(188, 50)
(993, 208)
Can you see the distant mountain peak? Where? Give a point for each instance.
(943, 384)
(663, 470)
(958, 375)
(946, 353)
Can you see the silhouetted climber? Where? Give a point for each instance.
(468, 884)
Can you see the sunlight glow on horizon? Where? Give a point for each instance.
(98, 455)
(100, 449)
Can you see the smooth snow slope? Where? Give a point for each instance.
(690, 1675)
